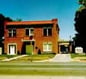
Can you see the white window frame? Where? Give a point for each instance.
(47, 28)
(12, 32)
(47, 46)
(30, 32)
(8, 48)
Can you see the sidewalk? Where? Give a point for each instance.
(41, 77)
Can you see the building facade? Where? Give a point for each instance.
(65, 46)
(31, 37)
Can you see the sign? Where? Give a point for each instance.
(0, 50)
(78, 50)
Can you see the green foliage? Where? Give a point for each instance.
(2, 20)
(18, 19)
(83, 4)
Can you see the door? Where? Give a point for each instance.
(12, 49)
(29, 49)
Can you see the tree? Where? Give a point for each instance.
(80, 25)
(82, 2)
(2, 20)
(18, 19)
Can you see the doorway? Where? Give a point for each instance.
(12, 49)
(28, 47)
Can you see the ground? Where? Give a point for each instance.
(49, 69)
(41, 77)
(42, 70)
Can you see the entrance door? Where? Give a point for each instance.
(29, 49)
(12, 49)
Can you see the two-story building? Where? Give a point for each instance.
(28, 37)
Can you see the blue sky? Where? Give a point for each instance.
(64, 10)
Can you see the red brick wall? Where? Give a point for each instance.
(38, 37)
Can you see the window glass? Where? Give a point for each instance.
(29, 32)
(47, 31)
(47, 46)
(12, 32)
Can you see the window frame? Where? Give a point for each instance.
(29, 33)
(12, 32)
(46, 31)
(47, 46)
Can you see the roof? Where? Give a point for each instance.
(32, 22)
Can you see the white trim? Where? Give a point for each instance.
(47, 30)
(23, 40)
(29, 29)
(8, 48)
(46, 46)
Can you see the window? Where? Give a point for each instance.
(12, 32)
(29, 32)
(47, 31)
(47, 46)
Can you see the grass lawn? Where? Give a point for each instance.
(51, 69)
(24, 66)
(31, 58)
(77, 55)
(80, 57)
(2, 57)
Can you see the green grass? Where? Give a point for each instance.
(2, 57)
(27, 58)
(30, 58)
(77, 55)
(24, 66)
(62, 72)
(58, 69)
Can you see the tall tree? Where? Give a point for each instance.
(82, 2)
(80, 25)
(2, 20)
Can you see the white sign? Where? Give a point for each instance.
(78, 50)
(0, 50)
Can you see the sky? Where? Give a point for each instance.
(31, 10)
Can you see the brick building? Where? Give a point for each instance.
(29, 37)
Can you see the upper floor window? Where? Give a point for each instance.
(29, 32)
(12, 32)
(47, 31)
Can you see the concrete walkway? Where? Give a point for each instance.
(59, 58)
(42, 77)
(13, 58)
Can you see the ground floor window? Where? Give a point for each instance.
(47, 46)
